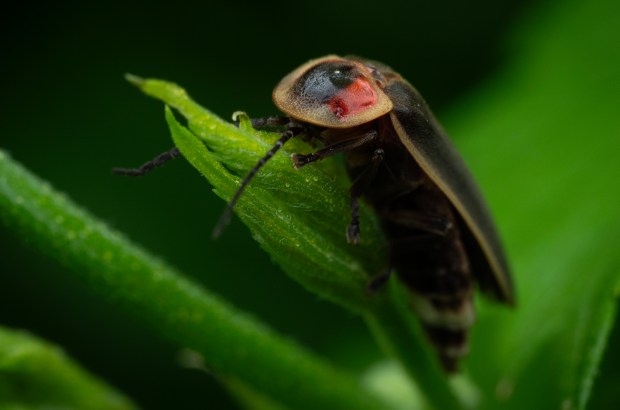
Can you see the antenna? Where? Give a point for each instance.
(225, 218)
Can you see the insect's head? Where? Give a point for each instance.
(332, 92)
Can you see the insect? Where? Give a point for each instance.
(441, 235)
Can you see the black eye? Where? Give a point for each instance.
(342, 76)
(322, 82)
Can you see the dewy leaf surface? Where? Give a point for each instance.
(298, 216)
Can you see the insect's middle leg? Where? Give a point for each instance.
(362, 181)
(359, 186)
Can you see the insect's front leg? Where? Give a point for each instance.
(299, 160)
(267, 122)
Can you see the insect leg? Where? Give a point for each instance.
(156, 162)
(299, 160)
(377, 282)
(266, 122)
(357, 190)
(433, 224)
(398, 245)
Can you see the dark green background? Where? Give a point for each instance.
(69, 116)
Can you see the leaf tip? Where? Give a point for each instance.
(170, 118)
(135, 80)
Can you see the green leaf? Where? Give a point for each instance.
(307, 248)
(34, 374)
(298, 216)
(544, 141)
(287, 226)
(231, 342)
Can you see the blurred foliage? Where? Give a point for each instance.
(35, 375)
(231, 342)
(541, 135)
(546, 151)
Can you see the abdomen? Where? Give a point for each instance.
(426, 250)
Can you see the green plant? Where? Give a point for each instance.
(541, 137)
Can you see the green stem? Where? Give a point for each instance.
(395, 328)
(231, 342)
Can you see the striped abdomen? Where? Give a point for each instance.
(426, 249)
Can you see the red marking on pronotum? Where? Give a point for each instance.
(358, 96)
(339, 107)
